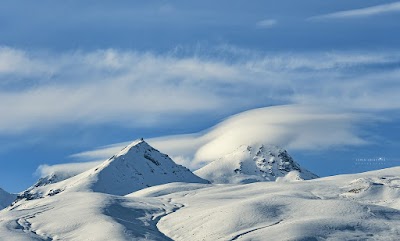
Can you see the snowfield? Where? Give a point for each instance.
(108, 202)
(351, 207)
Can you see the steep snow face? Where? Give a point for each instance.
(136, 167)
(6, 198)
(253, 164)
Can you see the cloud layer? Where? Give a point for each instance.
(129, 88)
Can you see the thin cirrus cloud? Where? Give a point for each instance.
(134, 89)
(267, 23)
(361, 12)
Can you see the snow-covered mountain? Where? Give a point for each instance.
(141, 194)
(254, 163)
(363, 206)
(135, 167)
(6, 198)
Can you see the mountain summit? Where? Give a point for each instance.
(253, 164)
(135, 167)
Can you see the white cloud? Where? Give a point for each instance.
(14, 61)
(361, 12)
(138, 88)
(103, 152)
(66, 170)
(267, 23)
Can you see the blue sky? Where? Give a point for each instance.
(75, 76)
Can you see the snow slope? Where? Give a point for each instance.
(88, 216)
(135, 167)
(6, 198)
(349, 207)
(255, 163)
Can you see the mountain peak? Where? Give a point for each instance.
(137, 144)
(252, 163)
(136, 166)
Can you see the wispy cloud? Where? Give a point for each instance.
(129, 88)
(361, 12)
(267, 23)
